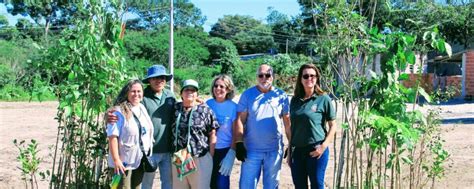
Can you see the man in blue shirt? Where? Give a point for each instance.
(262, 110)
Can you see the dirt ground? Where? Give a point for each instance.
(25, 121)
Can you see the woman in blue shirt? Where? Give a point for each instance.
(226, 112)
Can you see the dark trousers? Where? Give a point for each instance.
(219, 181)
(303, 166)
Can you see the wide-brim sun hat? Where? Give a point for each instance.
(190, 83)
(156, 71)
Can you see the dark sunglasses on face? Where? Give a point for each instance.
(219, 86)
(307, 76)
(264, 75)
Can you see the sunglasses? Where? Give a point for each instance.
(307, 76)
(219, 86)
(264, 75)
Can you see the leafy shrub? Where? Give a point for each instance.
(286, 69)
(202, 74)
(244, 74)
(29, 160)
(138, 68)
(217, 46)
(12, 92)
(445, 95)
(6, 75)
(154, 46)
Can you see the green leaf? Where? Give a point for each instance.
(425, 35)
(403, 77)
(433, 35)
(71, 76)
(37, 46)
(76, 94)
(410, 57)
(67, 111)
(407, 160)
(441, 45)
(448, 48)
(424, 94)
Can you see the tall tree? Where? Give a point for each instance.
(155, 13)
(154, 45)
(3, 21)
(248, 34)
(230, 25)
(287, 33)
(50, 15)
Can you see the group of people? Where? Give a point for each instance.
(195, 143)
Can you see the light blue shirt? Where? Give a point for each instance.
(226, 113)
(263, 128)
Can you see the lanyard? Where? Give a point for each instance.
(139, 132)
(178, 122)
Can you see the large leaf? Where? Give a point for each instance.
(410, 57)
(447, 46)
(424, 94)
(441, 45)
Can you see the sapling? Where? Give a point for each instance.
(29, 160)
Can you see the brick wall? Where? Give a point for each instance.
(427, 81)
(470, 74)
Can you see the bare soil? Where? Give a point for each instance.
(35, 120)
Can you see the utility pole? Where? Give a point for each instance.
(286, 45)
(171, 51)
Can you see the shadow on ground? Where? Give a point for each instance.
(469, 120)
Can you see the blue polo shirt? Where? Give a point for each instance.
(263, 128)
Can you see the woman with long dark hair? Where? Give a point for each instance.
(310, 110)
(131, 137)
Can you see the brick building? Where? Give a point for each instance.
(442, 72)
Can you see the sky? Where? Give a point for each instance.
(12, 20)
(215, 9)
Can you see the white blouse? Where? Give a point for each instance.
(128, 138)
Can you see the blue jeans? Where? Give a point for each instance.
(164, 165)
(219, 181)
(270, 162)
(304, 166)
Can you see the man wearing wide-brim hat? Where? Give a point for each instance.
(159, 103)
